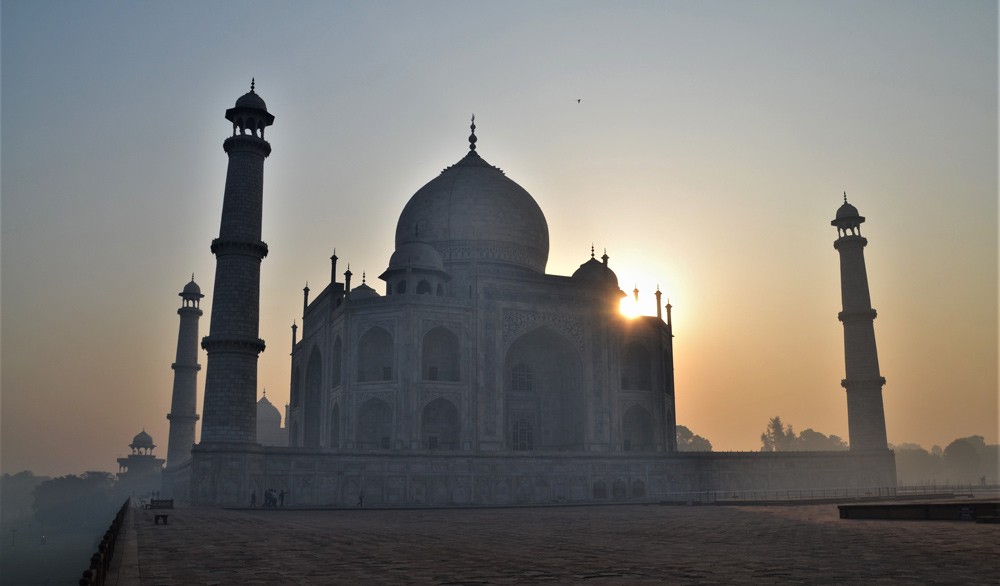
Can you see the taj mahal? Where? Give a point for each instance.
(475, 377)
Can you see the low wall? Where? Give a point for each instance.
(228, 475)
(176, 483)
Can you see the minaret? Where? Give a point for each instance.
(184, 403)
(232, 344)
(865, 415)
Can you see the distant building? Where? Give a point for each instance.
(139, 472)
(269, 429)
(476, 378)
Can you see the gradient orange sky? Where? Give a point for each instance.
(708, 154)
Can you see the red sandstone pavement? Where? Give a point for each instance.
(561, 545)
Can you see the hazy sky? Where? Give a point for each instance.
(708, 154)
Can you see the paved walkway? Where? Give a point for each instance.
(569, 545)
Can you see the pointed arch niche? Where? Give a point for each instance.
(314, 399)
(336, 363)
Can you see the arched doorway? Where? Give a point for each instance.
(314, 397)
(440, 427)
(375, 356)
(439, 355)
(375, 425)
(544, 393)
(637, 430)
(637, 367)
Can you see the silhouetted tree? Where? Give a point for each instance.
(689, 442)
(976, 441)
(777, 437)
(962, 460)
(814, 441)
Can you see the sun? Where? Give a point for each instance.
(629, 308)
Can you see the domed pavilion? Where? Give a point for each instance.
(473, 348)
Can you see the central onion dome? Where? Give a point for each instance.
(473, 211)
(267, 412)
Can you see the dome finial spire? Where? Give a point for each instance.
(253, 83)
(472, 137)
(845, 197)
(591, 250)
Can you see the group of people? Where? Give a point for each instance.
(272, 498)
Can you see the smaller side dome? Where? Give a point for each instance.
(363, 291)
(267, 413)
(847, 211)
(142, 440)
(848, 219)
(191, 291)
(595, 270)
(251, 100)
(416, 255)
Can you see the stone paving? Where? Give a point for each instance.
(561, 545)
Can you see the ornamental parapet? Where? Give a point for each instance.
(852, 385)
(194, 367)
(857, 315)
(401, 298)
(239, 345)
(181, 417)
(247, 143)
(850, 242)
(257, 250)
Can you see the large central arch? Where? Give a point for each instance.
(544, 393)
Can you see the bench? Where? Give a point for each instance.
(160, 504)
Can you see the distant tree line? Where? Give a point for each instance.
(76, 503)
(968, 459)
(965, 460)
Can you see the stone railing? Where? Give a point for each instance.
(818, 494)
(100, 562)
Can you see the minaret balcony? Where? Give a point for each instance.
(254, 249)
(857, 315)
(247, 142)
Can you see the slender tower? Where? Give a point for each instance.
(232, 344)
(865, 415)
(182, 414)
